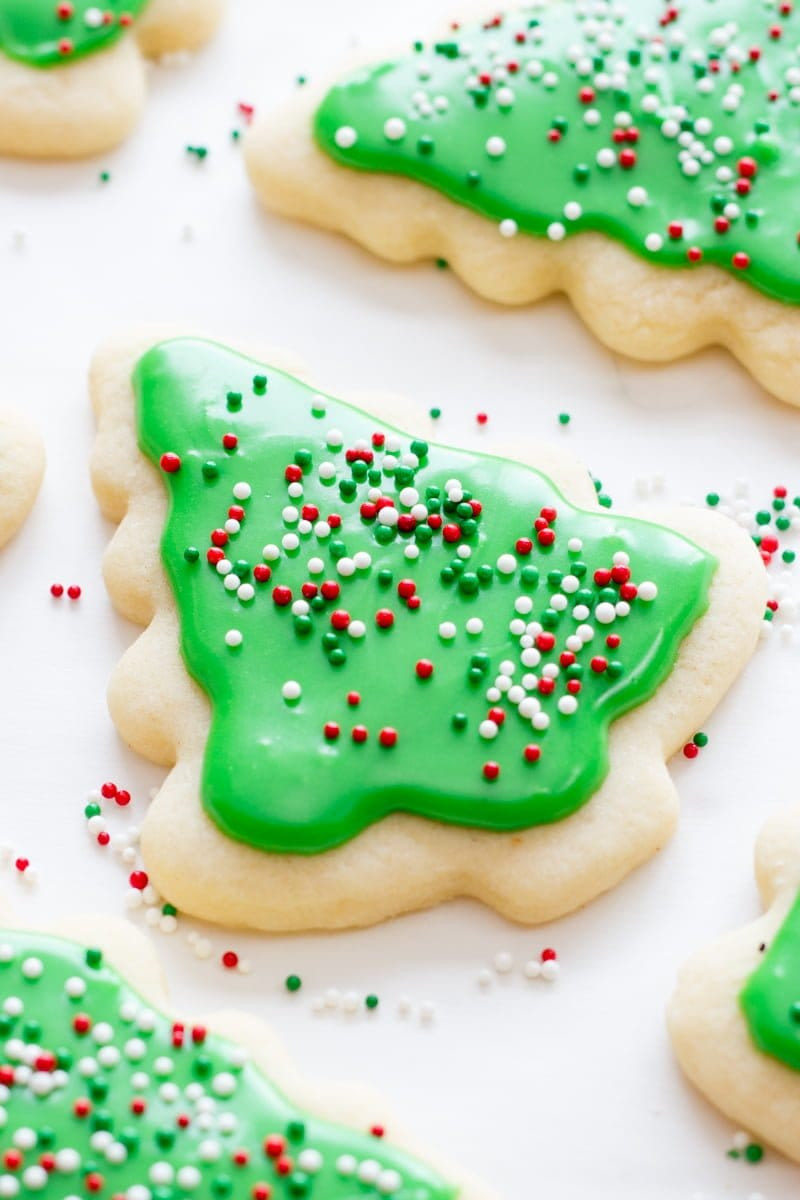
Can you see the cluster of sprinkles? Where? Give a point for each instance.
(102, 1095)
(57, 590)
(667, 126)
(333, 1000)
(141, 896)
(745, 1148)
(698, 743)
(775, 529)
(545, 967)
(19, 862)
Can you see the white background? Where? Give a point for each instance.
(563, 1091)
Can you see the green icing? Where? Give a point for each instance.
(80, 1051)
(646, 122)
(43, 32)
(514, 631)
(771, 996)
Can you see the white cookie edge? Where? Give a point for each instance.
(134, 957)
(403, 862)
(21, 471)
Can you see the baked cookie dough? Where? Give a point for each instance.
(105, 1091)
(21, 470)
(73, 73)
(735, 1015)
(643, 159)
(385, 672)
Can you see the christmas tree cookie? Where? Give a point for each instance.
(72, 73)
(642, 158)
(21, 469)
(104, 1092)
(386, 672)
(735, 1015)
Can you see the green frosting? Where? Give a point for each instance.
(393, 625)
(44, 32)
(100, 1094)
(671, 128)
(771, 996)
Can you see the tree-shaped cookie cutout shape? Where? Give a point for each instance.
(100, 1094)
(735, 1015)
(672, 128)
(384, 624)
(44, 32)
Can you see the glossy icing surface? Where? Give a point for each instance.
(43, 33)
(102, 1095)
(385, 624)
(771, 997)
(672, 128)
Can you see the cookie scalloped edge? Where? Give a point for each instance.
(642, 310)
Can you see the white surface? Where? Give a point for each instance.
(565, 1091)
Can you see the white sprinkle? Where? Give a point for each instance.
(291, 690)
(394, 129)
(345, 137)
(233, 638)
(508, 228)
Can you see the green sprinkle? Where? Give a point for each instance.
(564, 418)
(94, 958)
(712, 499)
(435, 413)
(700, 739)
(293, 983)
(371, 1001)
(92, 810)
(754, 1153)
(191, 554)
(200, 152)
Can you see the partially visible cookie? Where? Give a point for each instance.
(387, 672)
(21, 469)
(641, 159)
(735, 1015)
(104, 1091)
(72, 73)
